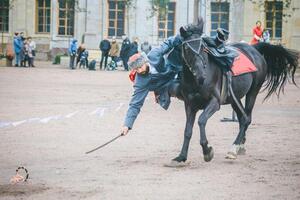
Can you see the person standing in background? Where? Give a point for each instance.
(26, 51)
(22, 53)
(146, 47)
(17, 48)
(266, 36)
(134, 47)
(125, 50)
(104, 48)
(257, 33)
(114, 50)
(32, 47)
(72, 52)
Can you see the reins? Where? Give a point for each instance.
(197, 52)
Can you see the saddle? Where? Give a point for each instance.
(223, 55)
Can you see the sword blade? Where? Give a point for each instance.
(103, 145)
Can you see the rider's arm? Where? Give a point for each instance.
(156, 55)
(137, 101)
(169, 44)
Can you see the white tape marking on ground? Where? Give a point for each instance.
(19, 123)
(5, 124)
(35, 119)
(96, 111)
(101, 112)
(119, 107)
(71, 114)
(47, 119)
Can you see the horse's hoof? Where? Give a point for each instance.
(241, 151)
(208, 157)
(176, 164)
(231, 156)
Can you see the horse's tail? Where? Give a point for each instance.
(282, 64)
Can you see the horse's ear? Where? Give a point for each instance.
(183, 32)
(200, 23)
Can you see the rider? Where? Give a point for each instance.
(154, 73)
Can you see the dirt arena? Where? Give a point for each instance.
(50, 116)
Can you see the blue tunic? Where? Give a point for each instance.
(157, 82)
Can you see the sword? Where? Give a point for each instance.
(103, 145)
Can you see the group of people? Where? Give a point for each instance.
(260, 34)
(25, 50)
(80, 53)
(112, 49)
(108, 49)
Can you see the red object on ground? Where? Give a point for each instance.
(132, 75)
(242, 64)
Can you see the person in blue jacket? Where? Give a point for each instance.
(154, 73)
(18, 46)
(72, 52)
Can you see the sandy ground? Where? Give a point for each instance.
(50, 116)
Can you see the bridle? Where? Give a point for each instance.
(196, 51)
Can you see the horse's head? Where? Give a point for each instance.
(192, 50)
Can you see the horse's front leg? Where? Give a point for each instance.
(210, 109)
(190, 119)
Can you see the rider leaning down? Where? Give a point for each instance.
(154, 73)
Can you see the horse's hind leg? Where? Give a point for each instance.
(190, 119)
(244, 122)
(240, 139)
(210, 109)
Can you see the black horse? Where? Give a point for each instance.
(202, 81)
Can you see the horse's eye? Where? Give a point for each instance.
(186, 47)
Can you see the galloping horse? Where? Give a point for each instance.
(202, 82)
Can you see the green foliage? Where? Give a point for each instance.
(286, 3)
(159, 7)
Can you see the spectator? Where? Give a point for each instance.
(26, 52)
(257, 33)
(266, 36)
(17, 48)
(22, 53)
(114, 51)
(134, 47)
(79, 51)
(125, 50)
(146, 47)
(72, 52)
(83, 57)
(32, 47)
(104, 47)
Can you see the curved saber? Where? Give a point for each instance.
(103, 145)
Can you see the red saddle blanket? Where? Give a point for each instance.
(242, 64)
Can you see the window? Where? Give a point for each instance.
(4, 14)
(219, 16)
(43, 16)
(166, 22)
(274, 18)
(66, 17)
(116, 17)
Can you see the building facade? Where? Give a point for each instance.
(53, 23)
